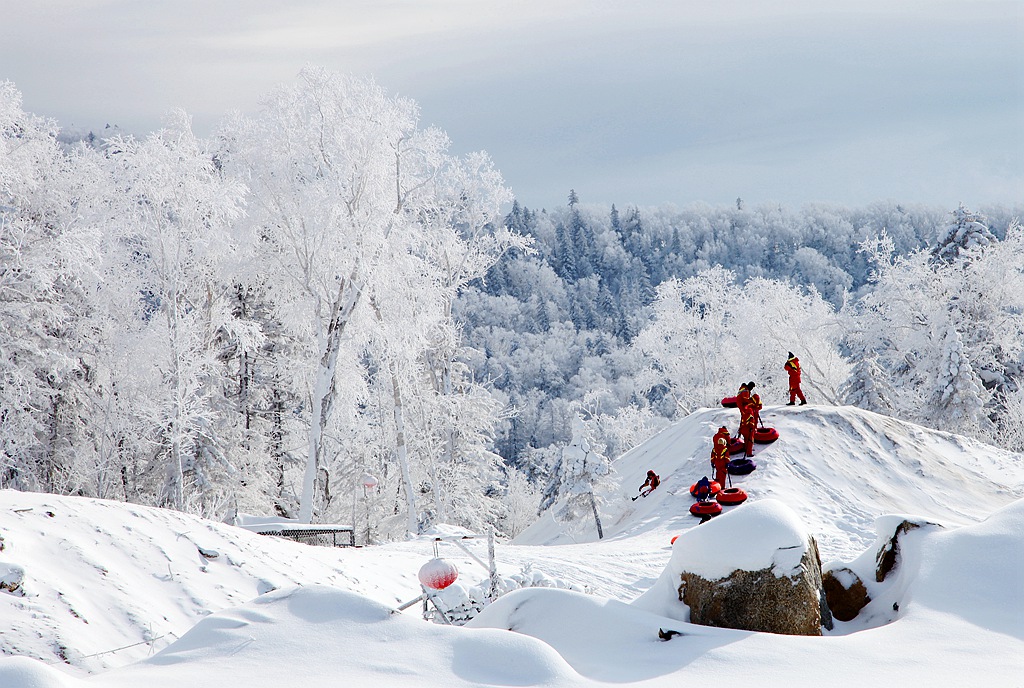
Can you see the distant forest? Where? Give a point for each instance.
(554, 329)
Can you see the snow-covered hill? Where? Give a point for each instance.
(839, 468)
(105, 584)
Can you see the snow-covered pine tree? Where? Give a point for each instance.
(581, 469)
(868, 387)
(957, 397)
(1010, 430)
(966, 232)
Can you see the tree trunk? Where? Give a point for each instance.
(402, 452)
(324, 390)
(597, 517)
(174, 496)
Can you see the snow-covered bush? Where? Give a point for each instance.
(461, 604)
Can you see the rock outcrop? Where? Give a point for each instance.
(762, 600)
(845, 593)
(754, 568)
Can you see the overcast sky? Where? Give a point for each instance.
(634, 102)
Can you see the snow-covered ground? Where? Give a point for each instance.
(121, 595)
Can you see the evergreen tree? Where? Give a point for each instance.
(966, 232)
(868, 387)
(565, 255)
(957, 392)
(616, 223)
(578, 470)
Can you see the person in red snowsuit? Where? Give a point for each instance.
(743, 396)
(748, 423)
(723, 433)
(651, 484)
(720, 459)
(793, 368)
(743, 401)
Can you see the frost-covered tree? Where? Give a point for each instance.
(175, 213)
(1010, 431)
(709, 334)
(957, 396)
(369, 228)
(331, 162)
(868, 387)
(579, 471)
(50, 219)
(966, 232)
(949, 331)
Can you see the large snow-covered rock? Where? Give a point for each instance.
(845, 590)
(755, 568)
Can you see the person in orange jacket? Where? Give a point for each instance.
(793, 368)
(755, 407)
(748, 424)
(743, 400)
(743, 396)
(651, 484)
(720, 459)
(723, 433)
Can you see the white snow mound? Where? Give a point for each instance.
(763, 534)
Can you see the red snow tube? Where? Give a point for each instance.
(765, 435)
(705, 508)
(729, 402)
(715, 488)
(741, 466)
(736, 446)
(674, 538)
(731, 495)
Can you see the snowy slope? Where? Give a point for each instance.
(838, 467)
(107, 584)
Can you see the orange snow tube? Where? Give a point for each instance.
(715, 489)
(731, 496)
(765, 435)
(705, 508)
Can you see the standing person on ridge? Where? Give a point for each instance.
(723, 433)
(793, 368)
